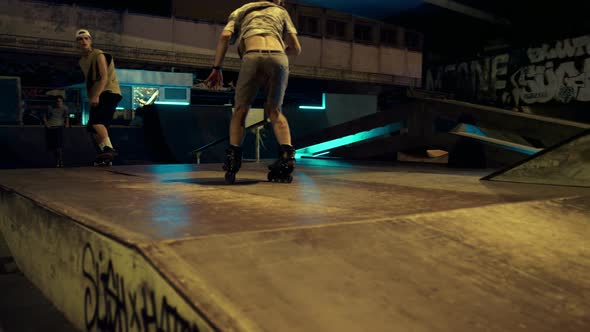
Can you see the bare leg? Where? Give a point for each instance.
(236, 126)
(101, 133)
(233, 160)
(280, 170)
(279, 124)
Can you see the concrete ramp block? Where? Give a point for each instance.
(7, 264)
(98, 282)
(565, 164)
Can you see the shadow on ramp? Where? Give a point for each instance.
(215, 182)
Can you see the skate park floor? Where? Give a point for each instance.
(346, 246)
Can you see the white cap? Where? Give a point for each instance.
(82, 33)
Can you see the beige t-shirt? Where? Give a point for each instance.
(89, 66)
(260, 18)
(56, 117)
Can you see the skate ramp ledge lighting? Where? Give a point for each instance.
(471, 131)
(325, 147)
(321, 154)
(180, 103)
(323, 107)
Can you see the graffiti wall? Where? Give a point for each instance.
(555, 73)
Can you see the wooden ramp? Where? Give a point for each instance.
(345, 247)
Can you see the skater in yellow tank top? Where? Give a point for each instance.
(103, 91)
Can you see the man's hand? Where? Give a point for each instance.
(94, 100)
(215, 80)
(293, 45)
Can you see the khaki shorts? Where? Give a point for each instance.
(266, 70)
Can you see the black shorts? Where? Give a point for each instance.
(104, 111)
(54, 137)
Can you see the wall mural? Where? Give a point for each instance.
(552, 72)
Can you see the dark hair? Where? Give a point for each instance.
(59, 97)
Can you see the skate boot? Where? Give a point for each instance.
(280, 170)
(105, 158)
(232, 163)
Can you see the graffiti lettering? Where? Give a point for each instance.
(109, 306)
(478, 77)
(567, 48)
(540, 84)
(558, 73)
(500, 69)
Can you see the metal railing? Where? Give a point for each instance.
(196, 153)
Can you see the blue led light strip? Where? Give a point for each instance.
(323, 107)
(474, 132)
(325, 147)
(183, 103)
(321, 154)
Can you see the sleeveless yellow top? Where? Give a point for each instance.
(89, 66)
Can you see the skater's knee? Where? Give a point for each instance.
(272, 111)
(241, 110)
(240, 113)
(97, 129)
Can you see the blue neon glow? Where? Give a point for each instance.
(323, 107)
(325, 147)
(475, 133)
(85, 118)
(513, 147)
(183, 103)
(528, 152)
(321, 154)
(120, 108)
(473, 130)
